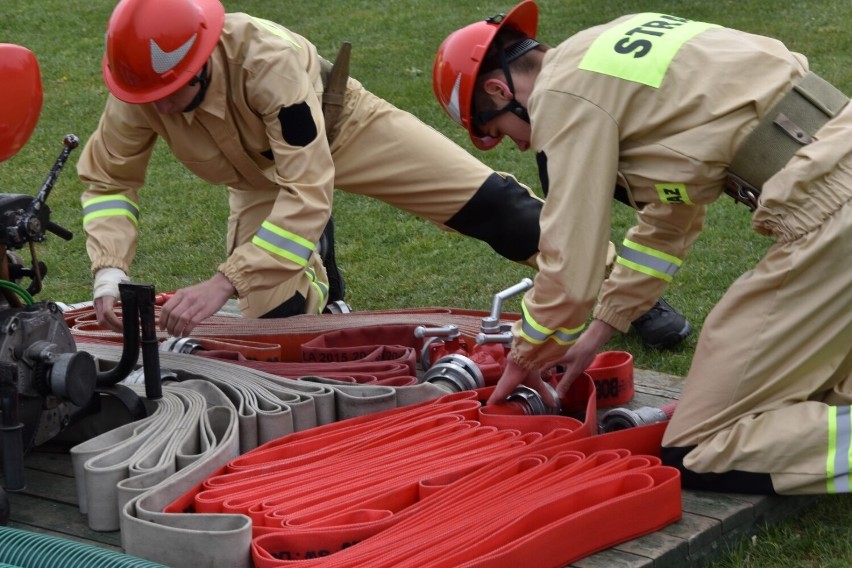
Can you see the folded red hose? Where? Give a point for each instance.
(441, 484)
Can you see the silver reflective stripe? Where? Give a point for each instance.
(531, 334)
(566, 337)
(536, 333)
(283, 243)
(840, 431)
(110, 206)
(648, 261)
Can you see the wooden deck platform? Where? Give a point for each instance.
(711, 521)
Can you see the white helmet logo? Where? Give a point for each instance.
(163, 61)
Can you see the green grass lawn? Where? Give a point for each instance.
(388, 258)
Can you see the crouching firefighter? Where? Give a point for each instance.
(767, 401)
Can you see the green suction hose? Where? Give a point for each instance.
(24, 549)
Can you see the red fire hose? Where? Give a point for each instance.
(443, 484)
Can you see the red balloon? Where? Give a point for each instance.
(20, 97)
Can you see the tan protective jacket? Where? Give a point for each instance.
(658, 106)
(233, 138)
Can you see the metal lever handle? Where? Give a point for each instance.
(491, 323)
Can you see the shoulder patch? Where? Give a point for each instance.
(297, 124)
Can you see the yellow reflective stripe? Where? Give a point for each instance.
(110, 206)
(839, 451)
(321, 288)
(283, 243)
(531, 330)
(641, 48)
(831, 454)
(536, 333)
(673, 193)
(648, 261)
(277, 30)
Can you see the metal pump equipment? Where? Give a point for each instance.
(46, 384)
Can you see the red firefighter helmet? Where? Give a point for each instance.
(155, 47)
(460, 56)
(20, 97)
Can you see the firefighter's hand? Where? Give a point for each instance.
(104, 309)
(514, 376)
(190, 306)
(580, 356)
(105, 294)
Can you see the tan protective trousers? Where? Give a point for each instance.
(771, 381)
(382, 152)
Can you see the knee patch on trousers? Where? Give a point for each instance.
(727, 482)
(295, 306)
(504, 214)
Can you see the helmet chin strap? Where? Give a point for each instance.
(204, 80)
(513, 106)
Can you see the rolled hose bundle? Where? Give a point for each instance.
(24, 549)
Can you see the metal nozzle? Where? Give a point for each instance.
(456, 372)
(623, 418)
(531, 402)
(186, 345)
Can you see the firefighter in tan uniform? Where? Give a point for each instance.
(239, 101)
(658, 108)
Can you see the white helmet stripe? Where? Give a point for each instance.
(453, 104)
(162, 61)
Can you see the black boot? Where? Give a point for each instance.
(662, 326)
(336, 286)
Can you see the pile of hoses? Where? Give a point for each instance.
(319, 419)
(441, 484)
(351, 492)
